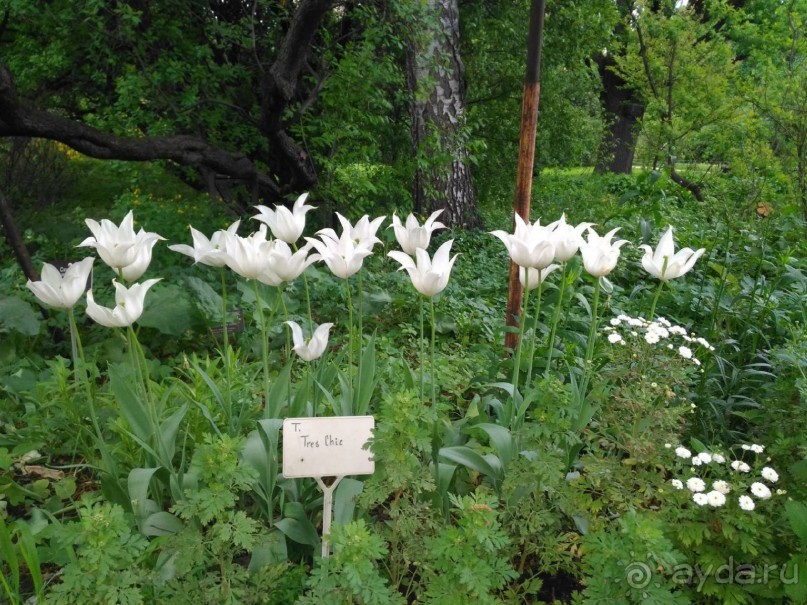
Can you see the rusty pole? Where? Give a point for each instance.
(526, 154)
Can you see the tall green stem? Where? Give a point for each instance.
(80, 373)
(307, 298)
(422, 356)
(264, 344)
(517, 363)
(285, 318)
(350, 331)
(535, 329)
(226, 350)
(361, 333)
(655, 299)
(433, 366)
(592, 336)
(555, 320)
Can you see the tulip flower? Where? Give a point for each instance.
(288, 266)
(664, 263)
(363, 233)
(286, 225)
(209, 252)
(119, 246)
(343, 255)
(248, 256)
(62, 291)
(313, 348)
(566, 238)
(144, 243)
(600, 255)
(530, 245)
(412, 235)
(536, 276)
(429, 276)
(128, 305)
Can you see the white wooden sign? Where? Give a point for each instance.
(327, 446)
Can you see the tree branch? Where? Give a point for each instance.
(20, 119)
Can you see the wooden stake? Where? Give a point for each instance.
(526, 154)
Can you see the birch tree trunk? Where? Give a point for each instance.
(436, 82)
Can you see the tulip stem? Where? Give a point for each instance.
(349, 331)
(226, 349)
(592, 335)
(433, 365)
(422, 353)
(285, 318)
(517, 363)
(264, 345)
(361, 335)
(655, 299)
(80, 369)
(307, 297)
(555, 320)
(534, 329)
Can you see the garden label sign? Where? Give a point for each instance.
(327, 447)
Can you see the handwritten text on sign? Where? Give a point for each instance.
(327, 447)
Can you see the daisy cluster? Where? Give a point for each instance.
(715, 494)
(661, 331)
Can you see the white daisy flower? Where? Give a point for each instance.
(760, 490)
(696, 484)
(769, 474)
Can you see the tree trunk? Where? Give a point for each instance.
(435, 76)
(15, 239)
(623, 110)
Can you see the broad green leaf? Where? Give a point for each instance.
(797, 515)
(168, 310)
(367, 382)
(270, 551)
(344, 499)
(168, 431)
(490, 466)
(296, 526)
(207, 300)
(130, 404)
(279, 392)
(16, 315)
(138, 485)
(162, 524)
(501, 439)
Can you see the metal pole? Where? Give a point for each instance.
(526, 154)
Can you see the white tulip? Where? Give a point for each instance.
(128, 305)
(249, 256)
(208, 251)
(144, 243)
(363, 233)
(286, 225)
(600, 255)
(429, 276)
(566, 238)
(664, 263)
(314, 347)
(62, 291)
(413, 235)
(536, 276)
(530, 245)
(289, 266)
(343, 256)
(120, 246)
